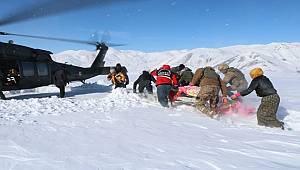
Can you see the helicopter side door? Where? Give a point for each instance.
(35, 74)
(43, 73)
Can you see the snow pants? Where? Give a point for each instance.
(208, 99)
(163, 92)
(266, 113)
(145, 84)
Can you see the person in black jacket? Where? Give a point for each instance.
(60, 81)
(144, 81)
(266, 113)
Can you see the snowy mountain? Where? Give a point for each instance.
(99, 128)
(271, 57)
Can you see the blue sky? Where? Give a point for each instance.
(158, 25)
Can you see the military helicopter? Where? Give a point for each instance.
(23, 67)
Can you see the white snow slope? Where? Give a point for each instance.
(97, 128)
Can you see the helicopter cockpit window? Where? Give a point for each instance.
(42, 69)
(28, 69)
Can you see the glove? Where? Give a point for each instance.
(225, 100)
(235, 96)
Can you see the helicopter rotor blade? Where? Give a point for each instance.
(51, 38)
(53, 7)
(94, 43)
(115, 44)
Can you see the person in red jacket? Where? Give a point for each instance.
(165, 79)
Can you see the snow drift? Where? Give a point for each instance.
(97, 128)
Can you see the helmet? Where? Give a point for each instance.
(256, 72)
(223, 66)
(166, 67)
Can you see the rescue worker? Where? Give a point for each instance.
(210, 85)
(144, 81)
(234, 77)
(60, 81)
(121, 76)
(164, 81)
(186, 76)
(266, 113)
(1, 85)
(117, 79)
(154, 73)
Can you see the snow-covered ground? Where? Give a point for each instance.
(97, 128)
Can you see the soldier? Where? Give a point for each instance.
(266, 113)
(1, 85)
(234, 77)
(210, 85)
(144, 81)
(186, 76)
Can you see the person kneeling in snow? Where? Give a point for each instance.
(266, 113)
(165, 79)
(144, 81)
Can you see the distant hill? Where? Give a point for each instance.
(271, 57)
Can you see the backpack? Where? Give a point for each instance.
(209, 73)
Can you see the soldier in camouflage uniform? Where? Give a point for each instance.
(210, 84)
(266, 113)
(234, 77)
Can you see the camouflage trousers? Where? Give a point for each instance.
(266, 113)
(208, 99)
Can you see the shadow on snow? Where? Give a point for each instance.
(78, 90)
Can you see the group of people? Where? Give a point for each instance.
(234, 84)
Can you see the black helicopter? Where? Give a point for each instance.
(24, 67)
